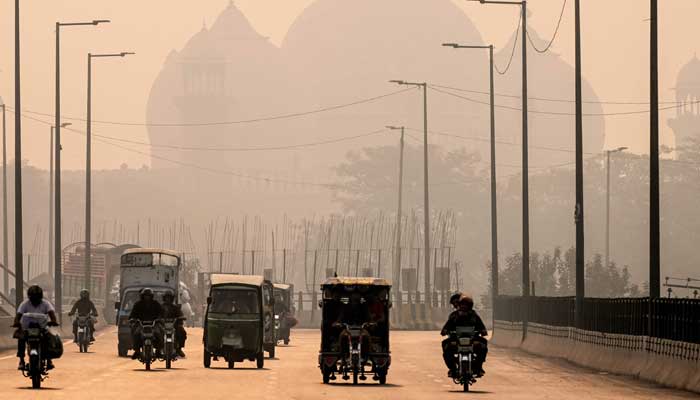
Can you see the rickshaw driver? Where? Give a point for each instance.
(465, 316)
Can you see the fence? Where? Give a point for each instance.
(671, 319)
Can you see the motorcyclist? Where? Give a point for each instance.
(85, 307)
(465, 316)
(145, 309)
(35, 304)
(174, 311)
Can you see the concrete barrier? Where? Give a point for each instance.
(668, 363)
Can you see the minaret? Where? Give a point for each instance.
(686, 123)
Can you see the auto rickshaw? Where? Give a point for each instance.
(355, 329)
(284, 312)
(239, 320)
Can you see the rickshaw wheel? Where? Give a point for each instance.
(231, 363)
(382, 379)
(207, 359)
(271, 353)
(260, 360)
(326, 376)
(286, 341)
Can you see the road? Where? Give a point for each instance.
(416, 373)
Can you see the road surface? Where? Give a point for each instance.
(417, 372)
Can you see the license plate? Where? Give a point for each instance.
(81, 330)
(169, 340)
(235, 342)
(466, 349)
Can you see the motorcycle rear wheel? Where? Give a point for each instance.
(35, 371)
(147, 354)
(168, 355)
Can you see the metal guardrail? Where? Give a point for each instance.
(672, 319)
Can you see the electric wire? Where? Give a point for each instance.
(554, 36)
(512, 52)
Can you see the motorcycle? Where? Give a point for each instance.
(35, 337)
(84, 334)
(465, 356)
(148, 337)
(354, 361)
(169, 341)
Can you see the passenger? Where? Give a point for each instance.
(454, 300)
(35, 304)
(145, 309)
(174, 311)
(465, 316)
(84, 306)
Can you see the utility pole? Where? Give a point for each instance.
(654, 213)
(51, 189)
(525, 159)
(58, 247)
(578, 213)
(19, 269)
(6, 275)
(88, 166)
(426, 185)
(399, 216)
(494, 198)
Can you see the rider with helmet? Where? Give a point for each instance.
(174, 311)
(84, 306)
(454, 299)
(465, 316)
(145, 309)
(35, 304)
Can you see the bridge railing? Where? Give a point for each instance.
(672, 319)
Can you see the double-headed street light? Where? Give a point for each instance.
(525, 162)
(426, 200)
(397, 258)
(57, 123)
(607, 202)
(494, 202)
(88, 164)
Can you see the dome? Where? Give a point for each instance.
(688, 84)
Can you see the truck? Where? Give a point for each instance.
(157, 269)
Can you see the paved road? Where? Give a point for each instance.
(417, 373)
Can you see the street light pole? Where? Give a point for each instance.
(88, 166)
(399, 217)
(525, 161)
(58, 280)
(607, 202)
(494, 200)
(19, 269)
(579, 219)
(52, 264)
(426, 185)
(6, 274)
(654, 213)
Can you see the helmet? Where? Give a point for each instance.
(85, 294)
(35, 294)
(467, 301)
(455, 298)
(168, 297)
(146, 292)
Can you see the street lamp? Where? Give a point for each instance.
(525, 162)
(607, 202)
(51, 199)
(399, 217)
(426, 197)
(5, 275)
(57, 123)
(494, 203)
(88, 163)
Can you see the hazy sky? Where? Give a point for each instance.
(616, 38)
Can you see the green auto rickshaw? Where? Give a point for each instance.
(239, 320)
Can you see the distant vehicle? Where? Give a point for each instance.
(239, 319)
(355, 329)
(157, 269)
(463, 340)
(284, 312)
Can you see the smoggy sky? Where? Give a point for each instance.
(615, 40)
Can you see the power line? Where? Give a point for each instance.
(552, 100)
(512, 52)
(638, 112)
(236, 122)
(554, 36)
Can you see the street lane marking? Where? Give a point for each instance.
(6, 358)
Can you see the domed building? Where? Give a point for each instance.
(686, 123)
